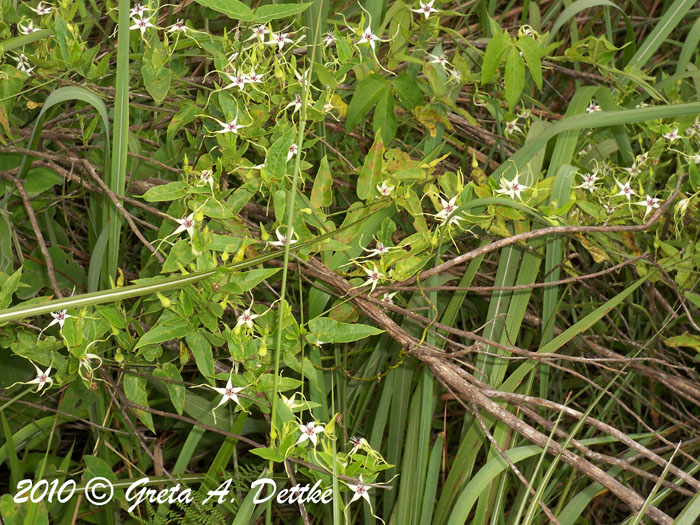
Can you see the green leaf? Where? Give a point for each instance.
(202, 351)
(322, 190)
(157, 82)
(269, 454)
(265, 13)
(372, 169)
(493, 55)
(8, 286)
(363, 99)
(330, 331)
(689, 340)
(183, 117)
(245, 281)
(408, 91)
(166, 192)
(173, 328)
(276, 160)
(98, 467)
(180, 255)
(532, 54)
(232, 8)
(135, 391)
(515, 76)
(384, 115)
(175, 389)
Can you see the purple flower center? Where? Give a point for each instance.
(228, 392)
(42, 378)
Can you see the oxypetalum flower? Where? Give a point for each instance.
(292, 151)
(42, 379)
(426, 9)
(310, 432)
(296, 103)
(625, 190)
(28, 29)
(672, 135)
(651, 203)
(438, 59)
(361, 491)
(448, 206)
(279, 39)
(259, 32)
(379, 249)
(592, 108)
(368, 37)
(137, 11)
(374, 275)
(588, 181)
(230, 127)
(255, 78)
(238, 80)
(511, 188)
(228, 393)
(329, 39)
(23, 64)
(512, 127)
(86, 363)
(142, 24)
(185, 224)
(178, 26)
(357, 444)
(59, 318)
(207, 177)
(246, 318)
(384, 190)
(282, 239)
(42, 9)
(388, 298)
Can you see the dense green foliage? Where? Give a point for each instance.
(439, 258)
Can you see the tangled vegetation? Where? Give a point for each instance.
(409, 263)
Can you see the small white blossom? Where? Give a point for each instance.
(142, 24)
(228, 393)
(641, 159)
(28, 29)
(282, 239)
(625, 190)
(438, 59)
(588, 181)
(137, 11)
(368, 37)
(384, 190)
(23, 64)
(633, 170)
(279, 39)
(592, 108)
(246, 318)
(651, 203)
(448, 206)
(426, 9)
(185, 224)
(672, 135)
(86, 363)
(207, 177)
(255, 78)
(388, 298)
(178, 26)
(512, 127)
(310, 432)
(293, 149)
(609, 209)
(379, 249)
(59, 318)
(259, 32)
(42, 9)
(296, 103)
(42, 379)
(511, 188)
(238, 80)
(229, 127)
(361, 491)
(329, 39)
(374, 275)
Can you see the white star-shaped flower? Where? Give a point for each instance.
(448, 206)
(368, 37)
(137, 11)
(255, 78)
(59, 318)
(178, 26)
(42, 379)
(228, 393)
(42, 9)
(329, 39)
(259, 32)
(279, 39)
(142, 24)
(379, 249)
(282, 239)
(633, 170)
(207, 177)
(185, 224)
(86, 363)
(310, 432)
(361, 491)
(246, 318)
(651, 203)
(23, 64)
(384, 189)
(511, 188)
(672, 135)
(238, 80)
(512, 127)
(588, 181)
(641, 159)
(388, 298)
(438, 59)
(374, 275)
(229, 127)
(292, 151)
(426, 9)
(592, 108)
(625, 190)
(28, 29)
(296, 103)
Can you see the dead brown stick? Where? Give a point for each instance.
(37, 232)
